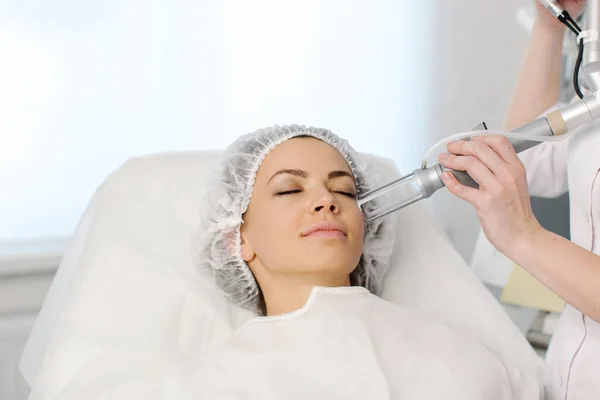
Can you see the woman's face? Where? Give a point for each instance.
(303, 218)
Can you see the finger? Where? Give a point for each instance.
(502, 146)
(478, 171)
(483, 152)
(468, 194)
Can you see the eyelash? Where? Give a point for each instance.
(347, 194)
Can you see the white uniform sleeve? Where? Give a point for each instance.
(546, 166)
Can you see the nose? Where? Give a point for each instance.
(325, 201)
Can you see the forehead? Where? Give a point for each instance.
(306, 153)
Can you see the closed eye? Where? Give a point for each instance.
(347, 194)
(343, 193)
(287, 192)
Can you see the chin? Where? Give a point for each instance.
(330, 263)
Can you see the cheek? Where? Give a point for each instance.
(356, 222)
(272, 230)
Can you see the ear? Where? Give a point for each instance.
(248, 253)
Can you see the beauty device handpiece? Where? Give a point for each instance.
(423, 182)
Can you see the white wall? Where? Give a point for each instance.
(87, 84)
(470, 69)
(478, 54)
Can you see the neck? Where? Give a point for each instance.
(284, 294)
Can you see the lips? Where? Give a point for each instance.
(328, 229)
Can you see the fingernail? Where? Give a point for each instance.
(447, 176)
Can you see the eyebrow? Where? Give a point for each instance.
(303, 174)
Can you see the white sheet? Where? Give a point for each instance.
(139, 310)
(346, 343)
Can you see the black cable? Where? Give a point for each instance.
(579, 58)
(574, 29)
(573, 22)
(569, 22)
(571, 27)
(576, 71)
(566, 19)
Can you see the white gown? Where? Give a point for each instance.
(346, 343)
(573, 362)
